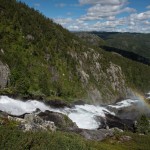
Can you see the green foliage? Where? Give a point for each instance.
(143, 125)
(38, 53)
(12, 138)
(36, 50)
(136, 74)
(133, 42)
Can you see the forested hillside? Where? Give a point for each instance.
(47, 61)
(138, 43)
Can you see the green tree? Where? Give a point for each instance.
(143, 125)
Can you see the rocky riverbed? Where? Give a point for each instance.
(92, 122)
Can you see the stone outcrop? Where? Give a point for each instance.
(90, 38)
(111, 121)
(4, 75)
(104, 83)
(61, 121)
(97, 135)
(32, 122)
(49, 121)
(57, 103)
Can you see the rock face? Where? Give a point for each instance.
(92, 39)
(104, 83)
(57, 103)
(4, 75)
(112, 121)
(97, 135)
(32, 122)
(49, 121)
(61, 121)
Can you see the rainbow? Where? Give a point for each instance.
(142, 97)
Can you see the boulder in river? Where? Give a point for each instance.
(61, 121)
(57, 103)
(111, 121)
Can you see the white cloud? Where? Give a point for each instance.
(63, 21)
(146, 22)
(74, 27)
(69, 13)
(141, 16)
(103, 2)
(102, 16)
(148, 7)
(105, 8)
(98, 11)
(60, 5)
(36, 5)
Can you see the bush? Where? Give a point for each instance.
(143, 125)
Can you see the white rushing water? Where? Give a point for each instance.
(124, 103)
(83, 115)
(148, 95)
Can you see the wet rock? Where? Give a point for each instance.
(61, 121)
(112, 121)
(79, 102)
(57, 103)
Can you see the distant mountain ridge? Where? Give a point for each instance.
(95, 39)
(127, 54)
(138, 43)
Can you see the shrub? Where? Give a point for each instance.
(143, 125)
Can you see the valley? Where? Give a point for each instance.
(78, 90)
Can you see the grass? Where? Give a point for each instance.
(11, 139)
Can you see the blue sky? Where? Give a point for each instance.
(98, 15)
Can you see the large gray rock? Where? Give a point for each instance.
(4, 75)
(61, 121)
(111, 121)
(97, 135)
(32, 122)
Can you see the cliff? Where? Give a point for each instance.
(46, 61)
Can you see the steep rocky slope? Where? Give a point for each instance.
(47, 61)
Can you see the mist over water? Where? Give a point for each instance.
(83, 115)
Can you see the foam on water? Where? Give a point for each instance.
(16, 107)
(83, 115)
(124, 103)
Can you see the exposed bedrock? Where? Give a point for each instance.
(4, 75)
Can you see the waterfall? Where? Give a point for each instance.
(83, 115)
